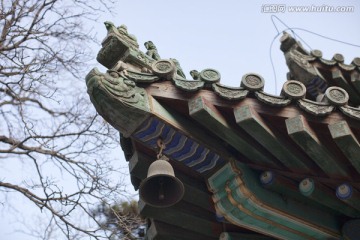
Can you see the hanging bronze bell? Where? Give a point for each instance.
(161, 188)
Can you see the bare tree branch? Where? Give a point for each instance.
(46, 119)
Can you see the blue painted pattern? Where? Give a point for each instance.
(316, 86)
(178, 146)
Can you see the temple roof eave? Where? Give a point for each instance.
(207, 127)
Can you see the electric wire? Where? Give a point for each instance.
(293, 29)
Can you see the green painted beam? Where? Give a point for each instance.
(208, 116)
(247, 204)
(282, 185)
(194, 192)
(247, 118)
(325, 196)
(347, 142)
(182, 216)
(348, 194)
(242, 236)
(355, 80)
(163, 231)
(340, 81)
(300, 131)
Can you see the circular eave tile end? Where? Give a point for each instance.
(337, 96)
(252, 82)
(338, 58)
(163, 68)
(294, 89)
(210, 75)
(316, 53)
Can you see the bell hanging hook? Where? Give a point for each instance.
(161, 146)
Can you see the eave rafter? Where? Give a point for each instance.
(248, 114)
(251, 122)
(300, 131)
(208, 116)
(347, 142)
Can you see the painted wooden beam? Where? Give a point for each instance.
(282, 185)
(208, 116)
(183, 216)
(347, 142)
(240, 198)
(300, 131)
(194, 193)
(243, 236)
(355, 80)
(164, 231)
(185, 125)
(347, 193)
(340, 81)
(325, 196)
(251, 122)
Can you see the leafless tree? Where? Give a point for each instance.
(46, 120)
(122, 220)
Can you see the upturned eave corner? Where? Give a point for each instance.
(219, 139)
(118, 100)
(318, 73)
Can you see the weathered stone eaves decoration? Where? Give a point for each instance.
(317, 73)
(129, 66)
(223, 136)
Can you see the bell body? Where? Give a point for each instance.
(161, 188)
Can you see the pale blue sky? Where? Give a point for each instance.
(233, 37)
